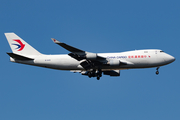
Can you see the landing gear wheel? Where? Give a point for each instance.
(99, 74)
(157, 72)
(89, 74)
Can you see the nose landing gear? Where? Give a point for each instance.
(157, 72)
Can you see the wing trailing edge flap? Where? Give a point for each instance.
(19, 57)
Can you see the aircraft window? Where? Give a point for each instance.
(161, 51)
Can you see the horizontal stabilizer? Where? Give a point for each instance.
(18, 57)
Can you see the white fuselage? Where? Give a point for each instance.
(133, 59)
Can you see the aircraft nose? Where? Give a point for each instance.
(169, 58)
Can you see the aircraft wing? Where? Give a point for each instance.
(89, 60)
(68, 47)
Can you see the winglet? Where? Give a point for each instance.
(55, 41)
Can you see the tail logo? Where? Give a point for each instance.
(20, 46)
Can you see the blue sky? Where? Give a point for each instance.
(28, 92)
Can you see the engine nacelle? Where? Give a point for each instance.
(112, 73)
(91, 56)
(114, 63)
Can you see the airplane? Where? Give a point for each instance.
(86, 63)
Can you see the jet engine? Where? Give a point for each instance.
(91, 56)
(114, 63)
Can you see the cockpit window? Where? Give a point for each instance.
(161, 51)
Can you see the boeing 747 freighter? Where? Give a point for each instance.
(86, 63)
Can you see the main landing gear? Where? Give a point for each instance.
(95, 73)
(157, 72)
